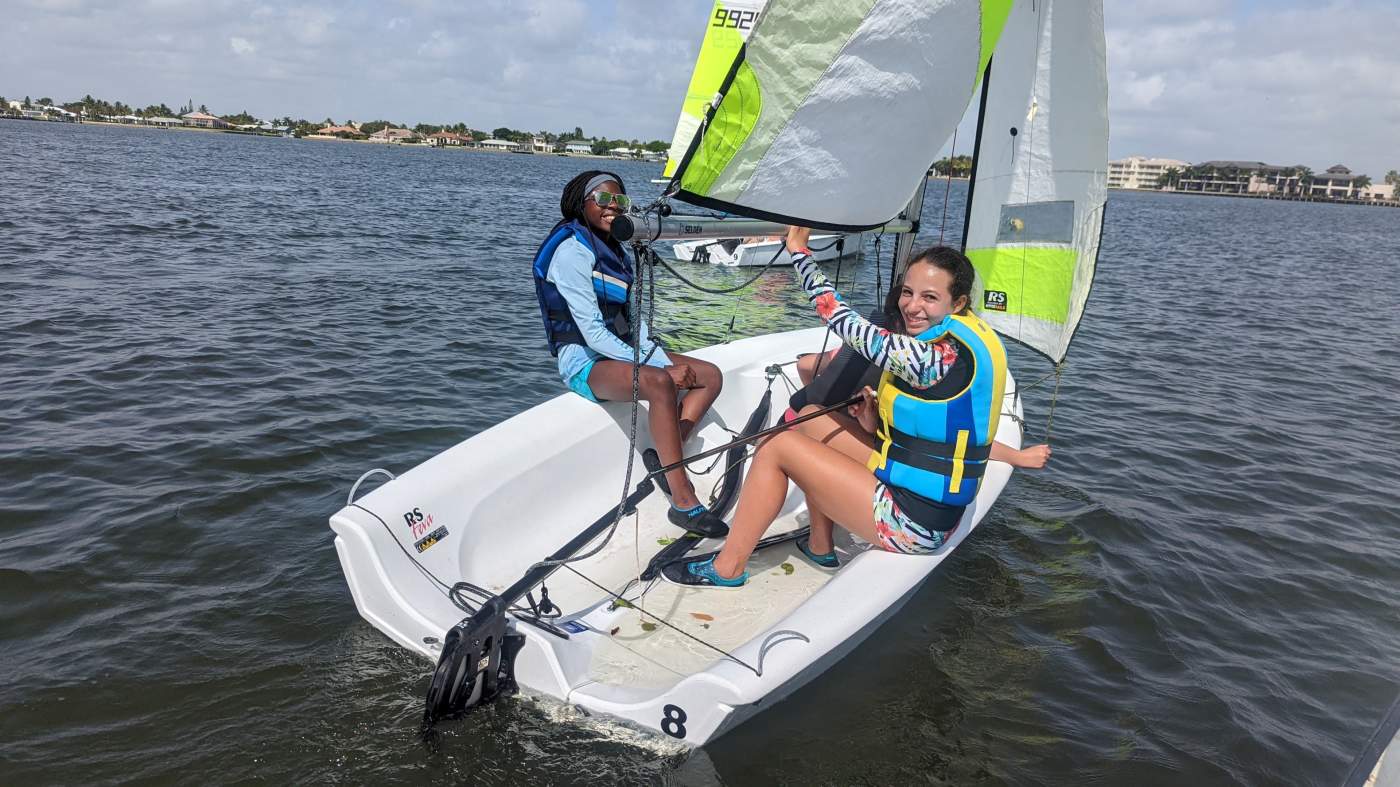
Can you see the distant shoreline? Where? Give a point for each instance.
(1373, 203)
(323, 138)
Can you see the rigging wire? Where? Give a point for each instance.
(635, 319)
(1054, 397)
(456, 592)
(826, 337)
(632, 604)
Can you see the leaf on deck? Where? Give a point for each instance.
(701, 616)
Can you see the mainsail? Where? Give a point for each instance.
(1037, 195)
(729, 25)
(834, 109)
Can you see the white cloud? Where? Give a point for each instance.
(1293, 81)
(1279, 82)
(1143, 91)
(439, 45)
(241, 46)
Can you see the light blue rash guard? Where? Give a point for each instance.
(571, 270)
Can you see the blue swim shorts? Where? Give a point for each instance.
(579, 382)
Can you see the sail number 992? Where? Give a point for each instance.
(740, 20)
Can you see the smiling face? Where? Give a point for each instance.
(925, 297)
(601, 219)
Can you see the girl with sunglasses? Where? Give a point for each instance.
(582, 279)
(900, 468)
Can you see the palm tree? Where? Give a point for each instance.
(1393, 178)
(1358, 183)
(1305, 179)
(1169, 178)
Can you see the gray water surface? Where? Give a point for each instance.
(204, 338)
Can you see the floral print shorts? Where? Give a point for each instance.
(899, 533)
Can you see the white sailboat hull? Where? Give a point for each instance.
(509, 496)
(760, 253)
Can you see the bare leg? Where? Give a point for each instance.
(697, 401)
(833, 482)
(807, 367)
(844, 433)
(612, 380)
(810, 363)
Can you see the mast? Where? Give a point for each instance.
(904, 242)
(976, 151)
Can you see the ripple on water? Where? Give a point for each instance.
(1200, 589)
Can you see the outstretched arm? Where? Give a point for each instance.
(1033, 457)
(918, 363)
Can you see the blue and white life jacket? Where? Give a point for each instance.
(937, 448)
(612, 280)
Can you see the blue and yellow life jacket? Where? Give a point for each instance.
(612, 279)
(937, 448)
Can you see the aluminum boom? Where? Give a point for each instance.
(652, 227)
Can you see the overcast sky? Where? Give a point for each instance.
(1286, 82)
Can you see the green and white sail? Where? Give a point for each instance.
(834, 109)
(1038, 191)
(729, 25)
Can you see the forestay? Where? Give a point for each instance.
(1040, 182)
(834, 110)
(731, 21)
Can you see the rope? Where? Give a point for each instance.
(821, 356)
(654, 259)
(634, 303)
(668, 624)
(454, 593)
(1050, 420)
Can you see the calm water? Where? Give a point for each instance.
(205, 338)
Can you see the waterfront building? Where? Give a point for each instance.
(1383, 191)
(578, 148)
(345, 132)
(1140, 172)
(444, 139)
(1337, 181)
(393, 135)
(164, 122)
(538, 145)
(1241, 177)
(497, 144)
(203, 120)
(622, 152)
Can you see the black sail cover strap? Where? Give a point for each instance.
(733, 474)
(971, 453)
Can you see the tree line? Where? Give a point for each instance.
(1172, 176)
(92, 107)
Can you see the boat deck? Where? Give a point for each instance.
(640, 653)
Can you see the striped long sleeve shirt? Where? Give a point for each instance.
(919, 363)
